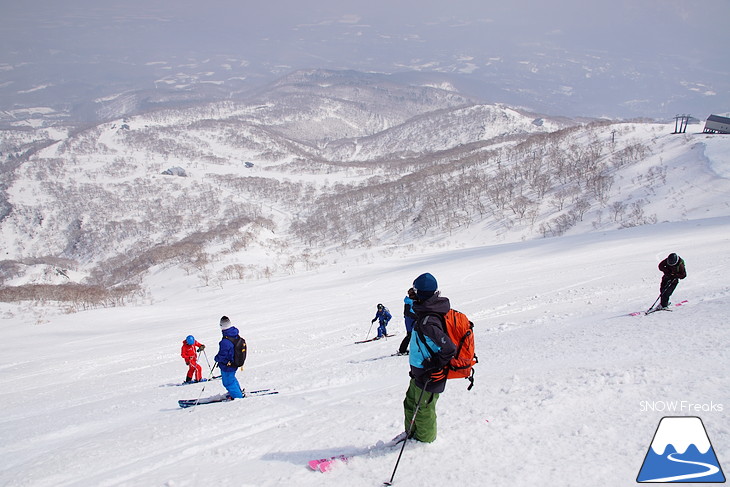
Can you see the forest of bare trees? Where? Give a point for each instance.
(554, 178)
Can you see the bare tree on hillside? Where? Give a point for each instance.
(617, 210)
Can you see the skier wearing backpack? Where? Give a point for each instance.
(431, 350)
(673, 269)
(383, 316)
(225, 358)
(410, 317)
(188, 353)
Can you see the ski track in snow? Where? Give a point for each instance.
(558, 389)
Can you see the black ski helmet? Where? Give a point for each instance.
(380, 306)
(672, 259)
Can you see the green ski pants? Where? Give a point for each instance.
(424, 428)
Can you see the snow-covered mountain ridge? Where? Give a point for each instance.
(323, 162)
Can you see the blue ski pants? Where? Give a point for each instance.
(231, 383)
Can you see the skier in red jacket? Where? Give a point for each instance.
(189, 353)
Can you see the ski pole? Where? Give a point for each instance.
(661, 293)
(205, 384)
(206, 359)
(369, 329)
(410, 430)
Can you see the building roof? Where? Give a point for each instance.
(718, 118)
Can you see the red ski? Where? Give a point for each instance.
(637, 313)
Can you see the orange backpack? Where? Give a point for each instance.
(461, 332)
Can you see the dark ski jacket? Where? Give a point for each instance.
(225, 350)
(383, 316)
(429, 328)
(677, 271)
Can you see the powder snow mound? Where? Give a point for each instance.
(717, 152)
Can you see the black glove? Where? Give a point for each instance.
(201, 348)
(373, 320)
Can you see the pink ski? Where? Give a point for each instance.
(637, 313)
(325, 464)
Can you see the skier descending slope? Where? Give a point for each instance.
(673, 269)
(383, 316)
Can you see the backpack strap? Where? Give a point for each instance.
(421, 335)
(441, 373)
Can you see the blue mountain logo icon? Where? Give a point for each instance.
(681, 452)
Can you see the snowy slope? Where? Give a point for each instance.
(563, 375)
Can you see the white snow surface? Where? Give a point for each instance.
(562, 385)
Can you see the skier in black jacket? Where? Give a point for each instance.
(673, 269)
(431, 349)
(410, 318)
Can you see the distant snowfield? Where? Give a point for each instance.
(561, 394)
(717, 150)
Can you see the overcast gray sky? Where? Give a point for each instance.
(476, 37)
(646, 25)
